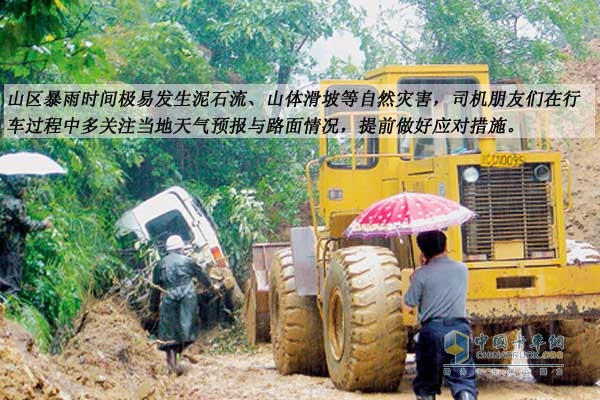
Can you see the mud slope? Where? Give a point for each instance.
(109, 358)
(583, 221)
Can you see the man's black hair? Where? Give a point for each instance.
(431, 243)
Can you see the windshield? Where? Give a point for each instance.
(440, 93)
(165, 225)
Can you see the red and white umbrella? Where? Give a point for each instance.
(406, 214)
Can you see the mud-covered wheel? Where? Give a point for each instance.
(511, 336)
(296, 329)
(581, 362)
(365, 341)
(257, 323)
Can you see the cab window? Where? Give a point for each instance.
(167, 224)
(343, 146)
(363, 113)
(441, 103)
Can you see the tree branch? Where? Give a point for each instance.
(68, 35)
(400, 42)
(39, 60)
(302, 43)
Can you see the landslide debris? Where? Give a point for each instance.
(109, 358)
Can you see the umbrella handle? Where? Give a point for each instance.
(410, 250)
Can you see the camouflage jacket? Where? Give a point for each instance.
(15, 224)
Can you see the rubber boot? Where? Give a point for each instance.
(465, 396)
(171, 361)
(426, 397)
(178, 367)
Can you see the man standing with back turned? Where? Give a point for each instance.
(178, 326)
(439, 290)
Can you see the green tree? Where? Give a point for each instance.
(43, 41)
(516, 38)
(263, 40)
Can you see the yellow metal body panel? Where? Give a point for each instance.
(567, 292)
(509, 250)
(343, 192)
(391, 73)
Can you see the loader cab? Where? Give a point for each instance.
(362, 165)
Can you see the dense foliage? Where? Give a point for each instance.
(254, 189)
(526, 39)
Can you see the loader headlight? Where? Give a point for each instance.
(471, 174)
(541, 173)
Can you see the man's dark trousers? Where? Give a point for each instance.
(431, 357)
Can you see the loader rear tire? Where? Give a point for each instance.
(257, 323)
(581, 362)
(296, 329)
(365, 340)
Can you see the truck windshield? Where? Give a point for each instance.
(167, 224)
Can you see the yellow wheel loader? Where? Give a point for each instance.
(334, 304)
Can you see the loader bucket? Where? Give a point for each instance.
(256, 298)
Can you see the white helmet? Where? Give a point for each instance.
(174, 242)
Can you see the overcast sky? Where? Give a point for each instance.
(344, 44)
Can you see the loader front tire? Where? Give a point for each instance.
(365, 340)
(296, 329)
(581, 362)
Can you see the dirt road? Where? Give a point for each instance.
(112, 358)
(253, 376)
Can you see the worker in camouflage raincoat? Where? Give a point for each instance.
(15, 224)
(179, 324)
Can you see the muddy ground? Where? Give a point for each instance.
(112, 358)
(583, 222)
(253, 376)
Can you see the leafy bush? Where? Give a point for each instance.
(76, 258)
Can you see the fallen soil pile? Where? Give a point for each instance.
(109, 358)
(583, 221)
(21, 374)
(112, 357)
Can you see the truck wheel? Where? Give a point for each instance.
(296, 330)
(257, 323)
(365, 341)
(581, 363)
(489, 345)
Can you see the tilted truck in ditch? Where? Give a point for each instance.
(144, 229)
(333, 305)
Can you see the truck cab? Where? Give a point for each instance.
(175, 212)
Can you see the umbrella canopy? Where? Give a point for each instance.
(24, 163)
(406, 214)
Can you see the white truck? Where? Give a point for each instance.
(175, 212)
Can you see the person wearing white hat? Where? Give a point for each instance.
(173, 287)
